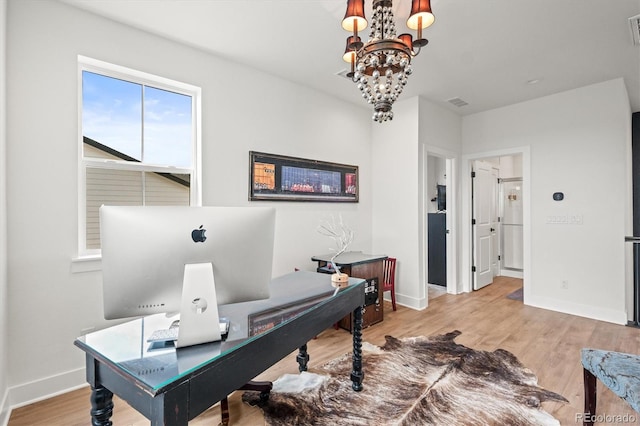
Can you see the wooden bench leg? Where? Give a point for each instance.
(589, 397)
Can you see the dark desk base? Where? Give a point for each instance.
(101, 406)
(371, 269)
(172, 409)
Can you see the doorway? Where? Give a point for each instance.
(497, 228)
(440, 256)
(511, 241)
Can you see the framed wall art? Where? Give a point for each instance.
(282, 178)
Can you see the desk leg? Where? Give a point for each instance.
(101, 406)
(356, 374)
(302, 358)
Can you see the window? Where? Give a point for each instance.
(139, 143)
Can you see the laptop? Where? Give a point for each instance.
(199, 319)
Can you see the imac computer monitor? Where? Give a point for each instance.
(145, 250)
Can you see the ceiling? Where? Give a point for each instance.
(486, 53)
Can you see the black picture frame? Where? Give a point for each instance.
(275, 177)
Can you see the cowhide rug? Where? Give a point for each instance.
(413, 381)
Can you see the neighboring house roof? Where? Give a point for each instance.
(108, 150)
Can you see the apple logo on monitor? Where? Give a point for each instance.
(198, 235)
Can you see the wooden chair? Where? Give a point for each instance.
(389, 278)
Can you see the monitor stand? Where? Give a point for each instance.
(199, 318)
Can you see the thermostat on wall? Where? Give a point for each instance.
(558, 196)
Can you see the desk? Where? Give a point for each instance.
(367, 266)
(172, 386)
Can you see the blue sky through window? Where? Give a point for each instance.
(112, 115)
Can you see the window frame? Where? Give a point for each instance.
(143, 78)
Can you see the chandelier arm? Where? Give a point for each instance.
(355, 29)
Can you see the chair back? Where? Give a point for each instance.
(389, 273)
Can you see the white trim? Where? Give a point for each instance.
(511, 273)
(82, 184)
(415, 303)
(423, 208)
(196, 125)
(88, 263)
(135, 76)
(586, 311)
(5, 410)
(453, 259)
(47, 387)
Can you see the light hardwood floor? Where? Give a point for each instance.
(547, 342)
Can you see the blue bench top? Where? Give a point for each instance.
(618, 371)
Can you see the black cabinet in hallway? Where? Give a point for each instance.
(437, 248)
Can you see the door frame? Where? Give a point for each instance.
(452, 224)
(466, 276)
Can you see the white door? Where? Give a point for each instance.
(482, 184)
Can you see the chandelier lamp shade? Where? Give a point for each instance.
(381, 66)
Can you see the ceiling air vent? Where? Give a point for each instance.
(634, 22)
(457, 102)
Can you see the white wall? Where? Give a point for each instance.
(580, 144)
(510, 166)
(396, 199)
(242, 110)
(400, 194)
(4, 306)
(441, 135)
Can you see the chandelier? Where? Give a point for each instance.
(381, 66)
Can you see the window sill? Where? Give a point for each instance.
(88, 263)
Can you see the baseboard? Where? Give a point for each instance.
(48, 387)
(586, 311)
(410, 302)
(511, 274)
(5, 410)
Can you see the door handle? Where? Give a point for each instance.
(493, 230)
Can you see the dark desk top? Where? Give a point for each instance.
(350, 258)
(125, 345)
